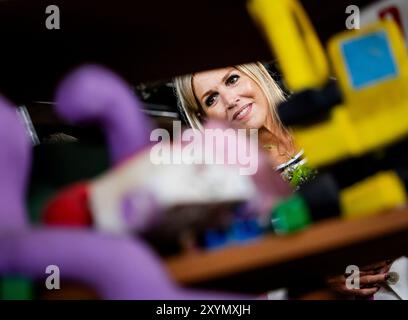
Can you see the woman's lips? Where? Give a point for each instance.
(243, 113)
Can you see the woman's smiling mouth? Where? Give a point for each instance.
(243, 112)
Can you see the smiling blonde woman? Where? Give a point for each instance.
(245, 96)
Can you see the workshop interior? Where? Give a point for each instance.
(108, 188)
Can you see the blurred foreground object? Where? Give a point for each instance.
(362, 114)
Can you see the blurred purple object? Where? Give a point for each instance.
(117, 267)
(93, 94)
(141, 210)
(15, 159)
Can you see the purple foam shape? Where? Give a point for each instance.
(141, 210)
(117, 267)
(15, 159)
(93, 94)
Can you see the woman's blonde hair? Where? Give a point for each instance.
(191, 108)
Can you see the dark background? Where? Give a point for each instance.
(142, 40)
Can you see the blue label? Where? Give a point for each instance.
(369, 60)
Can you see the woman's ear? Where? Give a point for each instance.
(201, 117)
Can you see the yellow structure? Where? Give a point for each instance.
(294, 42)
(371, 68)
(381, 191)
(370, 65)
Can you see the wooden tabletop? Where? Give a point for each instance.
(274, 261)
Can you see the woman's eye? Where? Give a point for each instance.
(210, 100)
(232, 79)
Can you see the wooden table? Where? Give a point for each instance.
(299, 259)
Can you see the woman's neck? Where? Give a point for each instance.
(277, 143)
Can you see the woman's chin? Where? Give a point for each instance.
(251, 124)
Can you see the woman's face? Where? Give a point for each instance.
(228, 94)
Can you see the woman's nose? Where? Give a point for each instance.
(231, 98)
